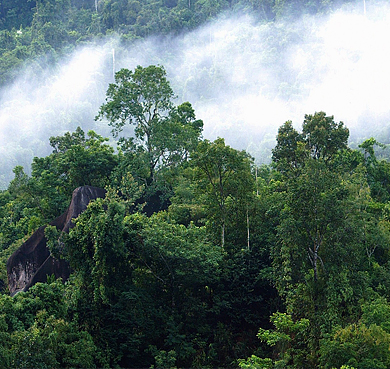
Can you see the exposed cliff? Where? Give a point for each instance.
(32, 262)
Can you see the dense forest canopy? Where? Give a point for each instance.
(195, 253)
(198, 256)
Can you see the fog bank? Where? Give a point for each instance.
(243, 78)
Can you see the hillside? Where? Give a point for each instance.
(178, 246)
(194, 250)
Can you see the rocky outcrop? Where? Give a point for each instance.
(32, 262)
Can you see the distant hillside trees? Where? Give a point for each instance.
(32, 30)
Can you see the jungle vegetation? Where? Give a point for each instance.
(279, 266)
(197, 257)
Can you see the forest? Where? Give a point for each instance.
(44, 30)
(197, 256)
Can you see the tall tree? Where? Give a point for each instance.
(316, 238)
(224, 174)
(164, 134)
(321, 138)
(286, 156)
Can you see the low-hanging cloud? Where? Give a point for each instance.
(244, 79)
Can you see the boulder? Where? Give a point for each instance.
(32, 262)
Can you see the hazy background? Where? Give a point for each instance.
(244, 79)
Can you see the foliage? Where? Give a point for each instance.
(321, 139)
(288, 336)
(358, 345)
(37, 334)
(30, 202)
(328, 231)
(130, 259)
(42, 30)
(75, 161)
(193, 248)
(378, 171)
(225, 178)
(164, 134)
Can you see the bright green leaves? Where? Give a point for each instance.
(364, 344)
(36, 334)
(164, 134)
(321, 139)
(291, 338)
(76, 161)
(286, 329)
(141, 97)
(51, 342)
(255, 362)
(64, 143)
(81, 161)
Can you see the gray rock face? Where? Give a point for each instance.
(32, 262)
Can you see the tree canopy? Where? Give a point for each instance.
(163, 134)
(196, 257)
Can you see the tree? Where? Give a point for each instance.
(100, 252)
(134, 288)
(323, 137)
(224, 174)
(318, 253)
(76, 161)
(37, 333)
(163, 133)
(364, 344)
(19, 211)
(315, 202)
(314, 192)
(285, 155)
(291, 335)
(378, 171)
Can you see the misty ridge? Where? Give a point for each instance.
(243, 77)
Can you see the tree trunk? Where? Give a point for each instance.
(223, 234)
(247, 227)
(315, 262)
